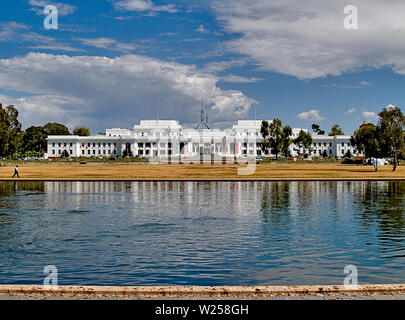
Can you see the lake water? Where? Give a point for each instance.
(199, 233)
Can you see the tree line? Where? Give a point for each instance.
(278, 137)
(384, 140)
(15, 142)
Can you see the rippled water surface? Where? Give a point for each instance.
(191, 233)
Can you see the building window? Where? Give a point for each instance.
(94, 145)
(103, 151)
(88, 151)
(82, 151)
(59, 144)
(70, 151)
(59, 151)
(53, 151)
(53, 144)
(71, 144)
(94, 151)
(88, 144)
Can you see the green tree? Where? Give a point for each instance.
(336, 131)
(10, 131)
(276, 137)
(14, 137)
(303, 141)
(56, 129)
(3, 132)
(82, 131)
(285, 146)
(265, 132)
(365, 140)
(391, 133)
(317, 130)
(34, 140)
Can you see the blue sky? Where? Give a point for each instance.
(112, 63)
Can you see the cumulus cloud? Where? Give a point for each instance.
(306, 39)
(219, 66)
(232, 78)
(350, 111)
(202, 29)
(63, 8)
(143, 5)
(108, 43)
(36, 110)
(21, 33)
(369, 115)
(104, 92)
(311, 115)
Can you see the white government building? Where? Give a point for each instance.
(162, 139)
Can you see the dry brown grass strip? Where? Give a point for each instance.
(206, 172)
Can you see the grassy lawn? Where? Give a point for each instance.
(148, 171)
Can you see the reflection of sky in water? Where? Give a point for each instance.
(189, 233)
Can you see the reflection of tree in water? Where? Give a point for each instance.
(275, 200)
(9, 204)
(383, 202)
(8, 189)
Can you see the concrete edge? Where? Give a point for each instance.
(201, 292)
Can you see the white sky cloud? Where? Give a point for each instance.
(19, 32)
(232, 78)
(63, 8)
(369, 115)
(36, 110)
(108, 43)
(105, 92)
(202, 29)
(350, 111)
(306, 39)
(143, 5)
(311, 115)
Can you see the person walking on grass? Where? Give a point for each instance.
(16, 172)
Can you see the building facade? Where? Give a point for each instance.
(159, 139)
